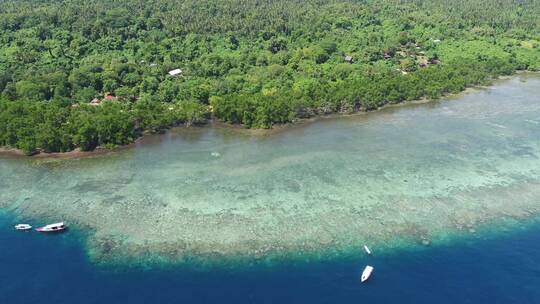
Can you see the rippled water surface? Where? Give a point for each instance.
(407, 175)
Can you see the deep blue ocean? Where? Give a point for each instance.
(481, 268)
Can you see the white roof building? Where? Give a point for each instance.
(175, 72)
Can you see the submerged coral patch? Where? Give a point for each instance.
(412, 172)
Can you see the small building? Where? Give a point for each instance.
(95, 102)
(175, 72)
(349, 59)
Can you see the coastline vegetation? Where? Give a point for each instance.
(82, 74)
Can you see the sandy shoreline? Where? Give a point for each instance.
(276, 129)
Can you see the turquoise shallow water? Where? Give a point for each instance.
(394, 179)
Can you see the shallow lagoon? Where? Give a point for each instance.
(406, 175)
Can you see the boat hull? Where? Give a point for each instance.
(57, 227)
(366, 249)
(23, 227)
(50, 230)
(366, 273)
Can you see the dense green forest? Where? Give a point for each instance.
(82, 74)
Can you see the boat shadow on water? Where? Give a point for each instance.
(53, 233)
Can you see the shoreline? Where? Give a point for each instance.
(376, 180)
(76, 153)
(276, 129)
(300, 122)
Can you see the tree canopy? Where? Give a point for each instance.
(82, 74)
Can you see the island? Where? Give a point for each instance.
(81, 75)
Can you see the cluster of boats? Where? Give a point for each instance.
(369, 269)
(56, 227)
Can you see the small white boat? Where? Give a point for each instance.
(366, 273)
(52, 227)
(23, 227)
(366, 249)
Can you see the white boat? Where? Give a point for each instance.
(23, 227)
(366, 273)
(367, 249)
(52, 227)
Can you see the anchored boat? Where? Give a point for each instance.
(366, 249)
(52, 227)
(366, 273)
(23, 227)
